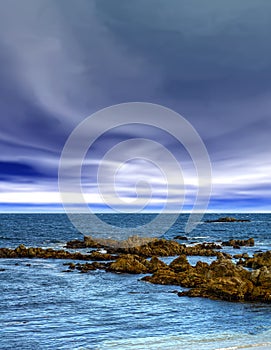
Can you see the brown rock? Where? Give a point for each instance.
(156, 264)
(181, 238)
(223, 288)
(259, 260)
(237, 243)
(129, 264)
(163, 276)
(98, 256)
(180, 264)
(227, 219)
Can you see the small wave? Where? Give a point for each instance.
(54, 241)
(14, 323)
(200, 237)
(6, 238)
(259, 346)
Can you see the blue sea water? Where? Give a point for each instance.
(42, 307)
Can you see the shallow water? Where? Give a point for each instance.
(42, 307)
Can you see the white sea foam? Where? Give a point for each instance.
(258, 346)
(233, 341)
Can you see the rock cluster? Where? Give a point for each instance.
(248, 280)
(258, 260)
(147, 247)
(222, 279)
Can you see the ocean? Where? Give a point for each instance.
(42, 307)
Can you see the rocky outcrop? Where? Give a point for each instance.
(228, 219)
(22, 252)
(223, 288)
(98, 256)
(258, 260)
(163, 247)
(146, 247)
(129, 264)
(135, 264)
(242, 286)
(180, 264)
(222, 279)
(155, 264)
(239, 243)
(91, 242)
(157, 247)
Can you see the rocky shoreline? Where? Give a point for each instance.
(248, 279)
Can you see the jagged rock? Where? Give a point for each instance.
(199, 250)
(258, 260)
(163, 276)
(222, 279)
(224, 288)
(180, 264)
(157, 247)
(163, 247)
(129, 264)
(156, 264)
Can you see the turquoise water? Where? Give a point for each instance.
(41, 307)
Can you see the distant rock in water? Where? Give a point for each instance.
(181, 238)
(228, 219)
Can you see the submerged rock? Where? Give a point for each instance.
(181, 238)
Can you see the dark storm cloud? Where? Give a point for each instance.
(210, 61)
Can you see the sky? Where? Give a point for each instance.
(63, 60)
